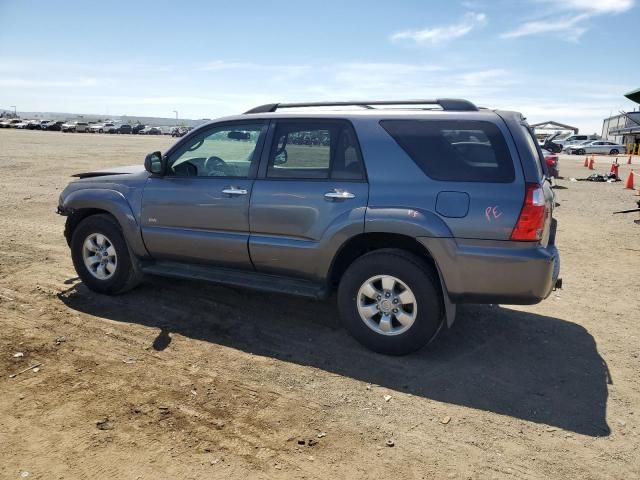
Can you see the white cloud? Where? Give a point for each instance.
(568, 18)
(444, 33)
(597, 6)
(568, 26)
(481, 77)
(59, 83)
(108, 89)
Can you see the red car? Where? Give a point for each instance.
(551, 159)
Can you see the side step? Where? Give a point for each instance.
(237, 278)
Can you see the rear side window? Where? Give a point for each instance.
(315, 150)
(455, 151)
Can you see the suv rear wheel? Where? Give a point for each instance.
(101, 257)
(389, 300)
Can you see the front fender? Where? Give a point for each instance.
(113, 202)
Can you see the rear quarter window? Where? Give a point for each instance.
(455, 150)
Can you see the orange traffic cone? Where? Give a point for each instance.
(591, 163)
(586, 161)
(629, 160)
(614, 169)
(629, 182)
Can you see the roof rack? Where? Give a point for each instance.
(447, 104)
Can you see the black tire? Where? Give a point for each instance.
(580, 152)
(614, 151)
(417, 275)
(127, 273)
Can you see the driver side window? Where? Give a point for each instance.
(225, 151)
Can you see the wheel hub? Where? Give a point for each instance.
(387, 305)
(99, 256)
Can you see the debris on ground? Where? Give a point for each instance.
(599, 177)
(387, 398)
(104, 424)
(322, 434)
(445, 420)
(18, 355)
(61, 339)
(32, 367)
(390, 443)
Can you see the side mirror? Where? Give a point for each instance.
(155, 163)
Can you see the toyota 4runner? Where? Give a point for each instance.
(405, 211)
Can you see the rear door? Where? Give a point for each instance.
(310, 195)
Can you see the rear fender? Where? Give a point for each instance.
(412, 222)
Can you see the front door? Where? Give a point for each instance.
(199, 211)
(310, 196)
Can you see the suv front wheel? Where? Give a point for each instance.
(101, 257)
(389, 300)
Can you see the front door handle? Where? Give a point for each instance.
(338, 194)
(234, 191)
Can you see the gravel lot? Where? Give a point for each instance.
(184, 380)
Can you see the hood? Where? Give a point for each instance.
(111, 171)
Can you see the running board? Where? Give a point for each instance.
(237, 278)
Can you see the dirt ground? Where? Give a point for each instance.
(183, 380)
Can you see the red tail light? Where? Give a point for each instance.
(532, 217)
(552, 160)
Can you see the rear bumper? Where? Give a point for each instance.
(487, 271)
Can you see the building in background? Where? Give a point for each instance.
(624, 128)
(550, 127)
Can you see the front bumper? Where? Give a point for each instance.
(487, 271)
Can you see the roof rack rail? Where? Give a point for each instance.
(447, 104)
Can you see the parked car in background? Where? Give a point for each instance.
(76, 127)
(96, 128)
(53, 126)
(4, 123)
(136, 128)
(126, 128)
(550, 144)
(22, 125)
(150, 131)
(551, 160)
(464, 218)
(180, 131)
(13, 123)
(574, 139)
(597, 146)
(33, 125)
(68, 127)
(110, 128)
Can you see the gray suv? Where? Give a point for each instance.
(405, 208)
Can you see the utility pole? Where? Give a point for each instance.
(176, 112)
(15, 113)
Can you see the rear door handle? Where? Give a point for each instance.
(338, 194)
(234, 191)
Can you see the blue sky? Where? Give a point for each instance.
(550, 59)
